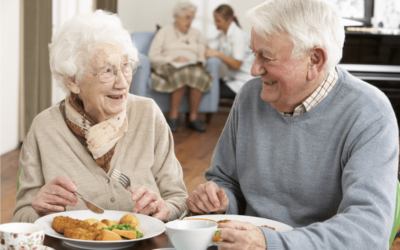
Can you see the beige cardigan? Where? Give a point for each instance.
(169, 43)
(145, 153)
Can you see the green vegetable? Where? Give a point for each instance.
(126, 227)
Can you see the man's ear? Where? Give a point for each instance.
(318, 58)
(73, 85)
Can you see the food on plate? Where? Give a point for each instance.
(107, 235)
(125, 233)
(60, 223)
(130, 219)
(268, 227)
(91, 221)
(200, 219)
(125, 228)
(216, 236)
(94, 229)
(82, 234)
(96, 223)
(109, 223)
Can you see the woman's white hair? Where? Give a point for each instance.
(180, 8)
(307, 23)
(72, 47)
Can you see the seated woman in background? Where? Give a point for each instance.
(76, 144)
(232, 47)
(180, 45)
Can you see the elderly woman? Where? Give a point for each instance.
(77, 144)
(178, 63)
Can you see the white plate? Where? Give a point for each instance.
(256, 221)
(149, 226)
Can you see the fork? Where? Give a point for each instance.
(121, 178)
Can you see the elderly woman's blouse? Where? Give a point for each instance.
(169, 43)
(145, 154)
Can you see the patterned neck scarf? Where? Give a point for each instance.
(101, 137)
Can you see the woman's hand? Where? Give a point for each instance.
(241, 235)
(211, 53)
(181, 59)
(55, 196)
(149, 202)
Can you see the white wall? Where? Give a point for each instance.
(139, 15)
(9, 74)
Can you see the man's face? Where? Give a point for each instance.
(285, 83)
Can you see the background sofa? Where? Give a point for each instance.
(142, 83)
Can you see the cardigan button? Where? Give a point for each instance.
(108, 181)
(112, 199)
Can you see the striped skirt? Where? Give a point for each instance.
(166, 78)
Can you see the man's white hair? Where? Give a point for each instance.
(180, 8)
(307, 23)
(72, 47)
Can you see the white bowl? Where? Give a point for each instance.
(191, 234)
(21, 236)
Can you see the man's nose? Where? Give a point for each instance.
(257, 68)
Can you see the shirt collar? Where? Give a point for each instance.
(316, 97)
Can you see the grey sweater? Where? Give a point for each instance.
(330, 173)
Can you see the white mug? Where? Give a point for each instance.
(191, 234)
(21, 236)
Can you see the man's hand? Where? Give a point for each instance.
(241, 235)
(149, 202)
(211, 53)
(208, 198)
(55, 196)
(181, 59)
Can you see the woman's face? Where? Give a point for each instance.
(221, 23)
(104, 100)
(183, 22)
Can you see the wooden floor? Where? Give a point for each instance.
(193, 150)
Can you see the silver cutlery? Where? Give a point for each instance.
(121, 178)
(92, 207)
(185, 213)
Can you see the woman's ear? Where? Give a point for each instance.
(318, 58)
(72, 85)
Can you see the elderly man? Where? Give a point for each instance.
(306, 143)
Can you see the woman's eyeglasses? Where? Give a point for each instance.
(128, 69)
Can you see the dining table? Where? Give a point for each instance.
(158, 242)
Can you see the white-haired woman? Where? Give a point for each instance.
(178, 63)
(232, 47)
(99, 127)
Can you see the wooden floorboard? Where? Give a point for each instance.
(193, 150)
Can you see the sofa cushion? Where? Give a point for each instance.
(142, 41)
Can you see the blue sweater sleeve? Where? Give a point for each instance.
(365, 216)
(223, 165)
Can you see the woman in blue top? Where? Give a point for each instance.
(232, 47)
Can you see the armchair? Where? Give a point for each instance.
(142, 83)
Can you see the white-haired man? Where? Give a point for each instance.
(317, 149)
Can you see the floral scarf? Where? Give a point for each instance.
(100, 138)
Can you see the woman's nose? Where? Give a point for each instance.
(121, 81)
